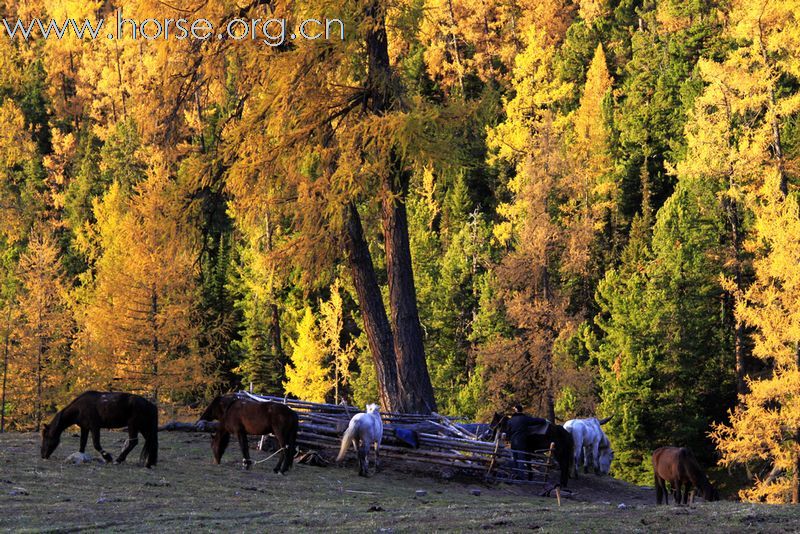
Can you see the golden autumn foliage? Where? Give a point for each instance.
(740, 114)
(765, 427)
(16, 148)
(308, 377)
(330, 328)
(40, 360)
(590, 187)
(139, 328)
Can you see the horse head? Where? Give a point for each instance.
(213, 411)
(710, 493)
(605, 457)
(50, 440)
(498, 422)
(373, 408)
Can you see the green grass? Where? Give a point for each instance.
(186, 491)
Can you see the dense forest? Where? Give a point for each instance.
(583, 207)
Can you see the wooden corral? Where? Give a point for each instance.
(441, 441)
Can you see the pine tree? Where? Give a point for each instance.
(664, 342)
(37, 383)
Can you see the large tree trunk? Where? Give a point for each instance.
(6, 347)
(415, 384)
(373, 312)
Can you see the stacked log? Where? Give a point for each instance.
(442, 442)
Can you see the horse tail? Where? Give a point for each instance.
(348, 437)
(659, 488)
(149, 454)
(569, 445)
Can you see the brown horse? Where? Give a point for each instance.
(94, 410)
(241, 416)
(678, 466)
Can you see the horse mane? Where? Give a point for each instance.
(55, 421)
(208, 413)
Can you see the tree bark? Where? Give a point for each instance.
(415, 385)
(415, 382)
(373, 312)
(39, 358)
(6, 349)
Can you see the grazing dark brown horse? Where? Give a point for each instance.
(529, 434)
(678, 466)
(241, 416)
(94, 410)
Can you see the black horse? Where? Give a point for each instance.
(239, 417)
(530, 434)
(94, 410)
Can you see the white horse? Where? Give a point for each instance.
(364, 430)
(590, 441)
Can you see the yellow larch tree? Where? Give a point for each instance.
(482, 39)
(307, 376)
(331, 325)
(45, 327)
(765, 426)
(590, 188)
(532, 140)
(16, 149)
(738, 123)
(138, 312)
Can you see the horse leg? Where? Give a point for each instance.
(576, 454)
(132, 441)
(219, 442)
(659, 488)
(84, 439)
(96, 442)
(246, 462)
(596, 457)
(585, 452)
(377, 448)
(281, 465)
(676, 490)
(362, 461)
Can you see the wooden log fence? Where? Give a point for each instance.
(441, 441)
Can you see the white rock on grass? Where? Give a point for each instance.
(78, 458)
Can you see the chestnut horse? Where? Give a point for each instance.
(241, 416)
(678, 466)
(93, 410)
